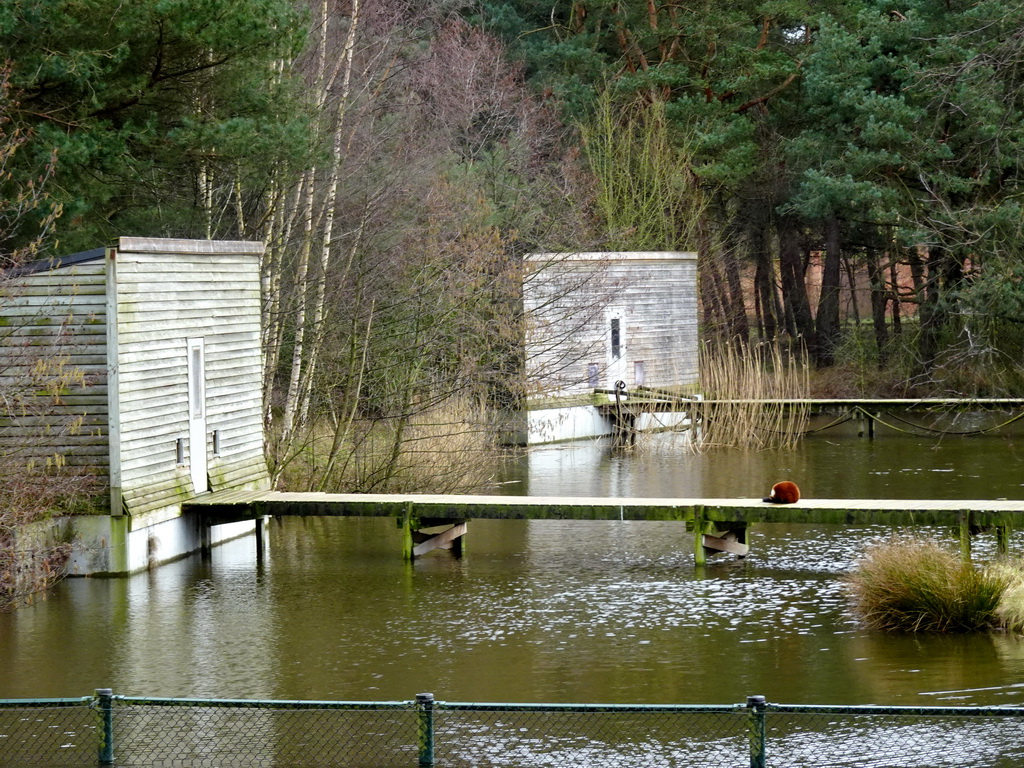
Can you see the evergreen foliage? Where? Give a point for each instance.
(139, 100)
(887, 140)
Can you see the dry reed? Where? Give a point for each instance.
(1010, 611)
(442, 448)
(744, 387)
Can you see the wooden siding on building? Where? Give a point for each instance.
(120, 320)
(169, 291)
(571, 300)
(53, 328)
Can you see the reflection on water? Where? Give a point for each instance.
(563, 611)
(829, 464)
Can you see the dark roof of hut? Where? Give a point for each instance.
(44, 265)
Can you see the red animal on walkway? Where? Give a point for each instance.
(783, 493)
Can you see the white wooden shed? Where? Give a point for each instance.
(595, 319)
(165, 335)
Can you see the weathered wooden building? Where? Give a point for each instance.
(595, 319)
(145, 363)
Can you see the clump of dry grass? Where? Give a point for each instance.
(918, 585)
(743, 386)
(1010, 611)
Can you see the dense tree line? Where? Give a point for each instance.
(399, 157)
(884, 136)
(387, 153)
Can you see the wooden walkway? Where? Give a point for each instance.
(655, 399)
(706, 517)
(867, 411)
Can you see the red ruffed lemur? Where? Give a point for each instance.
(783, 493)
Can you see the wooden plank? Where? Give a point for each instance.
(229, 284)
(905, 403)
(442, 540)
(725, 543)
(237, 474)
(190, 312)
(91, 302)
(143, 249)
(818, 511)
(77, 290)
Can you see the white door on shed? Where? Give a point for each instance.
(197, 414)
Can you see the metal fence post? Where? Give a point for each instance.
(105, 704)
(756, 705)
(425, 730)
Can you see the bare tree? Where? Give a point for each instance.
(393, 274)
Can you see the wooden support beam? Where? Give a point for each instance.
(733, 541)
(442, 540)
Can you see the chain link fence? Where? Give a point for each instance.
(132, 732)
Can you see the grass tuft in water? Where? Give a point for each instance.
(919, 585)
(1010, 612)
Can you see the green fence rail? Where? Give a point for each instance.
(108, 730)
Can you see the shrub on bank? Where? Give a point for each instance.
(918, 585)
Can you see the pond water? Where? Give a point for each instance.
(544, 611)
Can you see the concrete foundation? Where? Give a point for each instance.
(554, 425)
(103, 545)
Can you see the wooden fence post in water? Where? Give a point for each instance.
(105, 707)
(425, 729)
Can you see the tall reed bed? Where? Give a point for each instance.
(444, 447)
(743, 389)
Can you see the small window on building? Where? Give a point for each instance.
(197, 396)
(216, 442)
(638, 373)
(179, 450)
(616, 339)
(593, 373)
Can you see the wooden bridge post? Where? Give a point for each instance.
(408, 522)
(700, 556)
(459, 546)
(964, 516)
(1003, 530)
(417, 541)
(260, 543)
(865, 422)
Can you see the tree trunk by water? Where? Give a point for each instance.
(828, 304)
(878, 302)
(794, 288)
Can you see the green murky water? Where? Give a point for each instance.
(551, 611)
